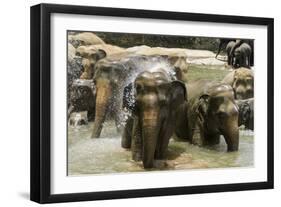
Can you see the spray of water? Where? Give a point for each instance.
(133, 66)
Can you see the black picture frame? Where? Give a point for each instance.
(41, 95)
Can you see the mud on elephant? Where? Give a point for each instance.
(148, 131)
(242, 82)
(210, 112)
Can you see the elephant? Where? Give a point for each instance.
(181, 67)
(210, 111)
(242, 82)
(112, 75)
(239, 54)
(84, 38)
(93, 53)
(222, 43)
(157, 97)
(82, 98)
(246, 113)
(90, 58)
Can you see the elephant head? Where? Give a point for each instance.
(218, 115)
(246, 113)
(109, 79)
(156, 99)
(82, 97)
(90, 57)
(242, 82)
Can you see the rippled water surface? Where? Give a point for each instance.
(105, 154)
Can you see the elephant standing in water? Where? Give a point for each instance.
(157, 97)
(242, 82)
(111, 76)
(210, 112)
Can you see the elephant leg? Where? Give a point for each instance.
(127, 134)
(249, 61)
(212, 139)
(165, 134)
(136, 143)
(118, 116)
(91, 114)
(229, 60)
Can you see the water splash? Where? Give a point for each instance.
(133, 66)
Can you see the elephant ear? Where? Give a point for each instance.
(178, 93)
(202, 107)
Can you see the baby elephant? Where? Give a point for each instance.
(210, 112)
(82, 98)
(246, 113)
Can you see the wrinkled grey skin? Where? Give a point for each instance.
(110, 80)
(112, 75)
(239, 54)
(210, 112)
(152, 123)
(78, 118)
(246, 113)
(82, 98)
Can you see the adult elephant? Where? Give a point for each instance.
(246, 113)
(210, 112)
(239, 53)
(242, 82)
(157, 97)
(223, 43)
(112, 75)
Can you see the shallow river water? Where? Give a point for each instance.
(105, 154)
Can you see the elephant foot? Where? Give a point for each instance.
(160, 164)
(136, 156)
(232, 148)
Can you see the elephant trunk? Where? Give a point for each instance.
(231, 134)
(150, 131)
(103, 94)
